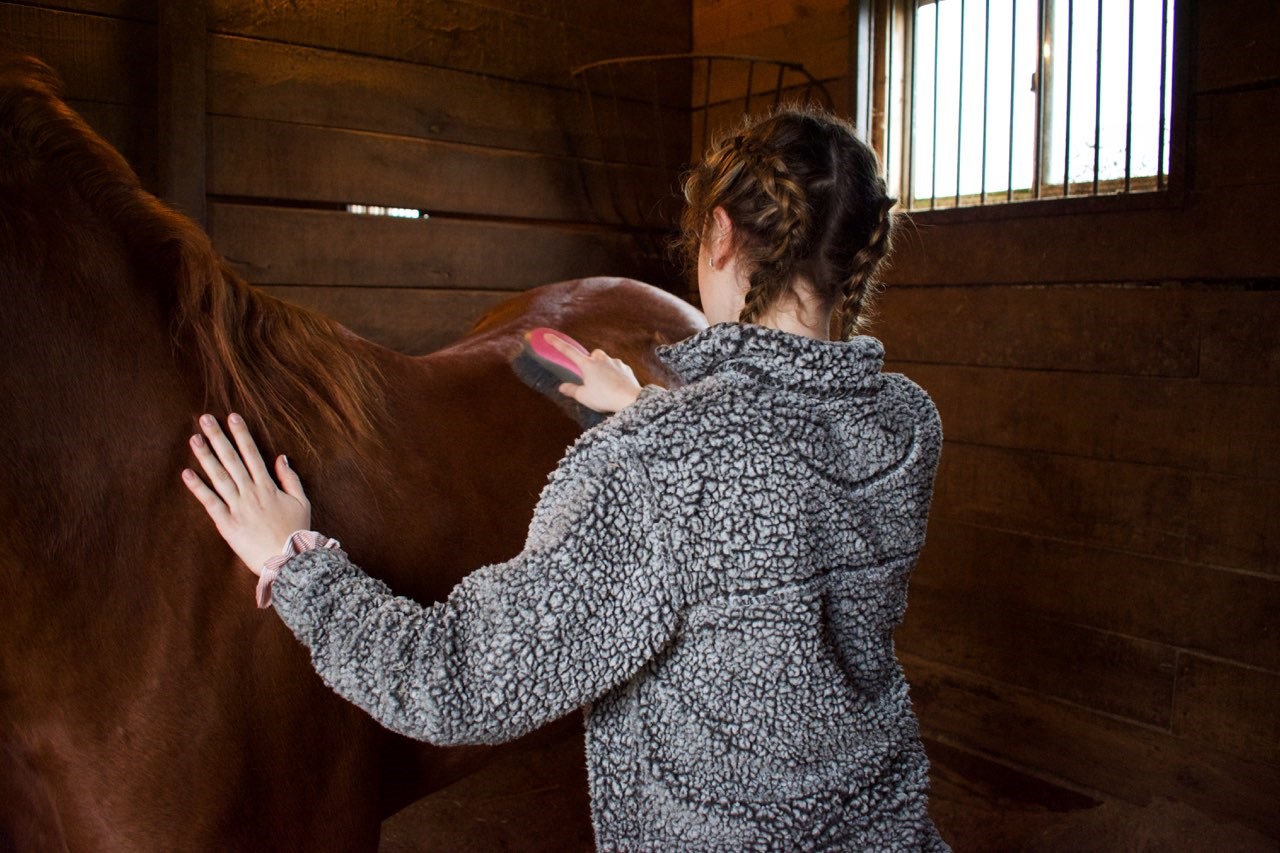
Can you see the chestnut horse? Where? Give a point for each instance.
(144, 701)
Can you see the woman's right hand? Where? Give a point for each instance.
(608, 384)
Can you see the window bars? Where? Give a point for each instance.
(652, 116)
(990, 101)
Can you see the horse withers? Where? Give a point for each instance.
(144, 701)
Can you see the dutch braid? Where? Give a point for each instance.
(865, 264)
(808, 207)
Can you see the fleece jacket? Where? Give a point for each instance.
(714, 575)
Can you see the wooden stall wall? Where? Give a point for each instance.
(105, 52)
(1099, 596)
(813, 33)
(1098, 600)
(462, 109)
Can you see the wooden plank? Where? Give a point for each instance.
(1127, 677)
(1237, 44)
(1227, 614)
(274, 160)
(1239, 129)
(180, 107)
(410, 321)
(1240, 338)
(671, 15)
(1138, 508)
(1091, 750)
(1178, 423)
(1128, 330)
(138, 10)
(1229, 707)
(291, 246)
(1212, 236)
(447, 34)
(819, 40)
(717, 21)
(1236, 523)
(130, 130)
(255, 79)
(99, 59)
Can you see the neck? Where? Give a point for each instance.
(799, 316)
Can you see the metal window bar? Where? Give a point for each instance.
(1056, 107)
(1097, 106)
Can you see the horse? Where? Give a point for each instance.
(144, 701)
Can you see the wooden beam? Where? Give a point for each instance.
(181, 62)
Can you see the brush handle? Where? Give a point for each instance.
(538, 345)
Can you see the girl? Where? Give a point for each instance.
(714, 573)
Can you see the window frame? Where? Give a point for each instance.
(872, 110)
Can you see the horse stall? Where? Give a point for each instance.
(1091, 635)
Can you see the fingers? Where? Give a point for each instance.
(575, 354)
(208, 498)
(249, 452)
(289, 480)
(226, 454)
(570, 389)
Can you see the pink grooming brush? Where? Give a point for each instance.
(537, 345)
(543, 368)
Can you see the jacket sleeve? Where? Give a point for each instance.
(515, 644)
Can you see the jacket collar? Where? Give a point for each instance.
(778, 359)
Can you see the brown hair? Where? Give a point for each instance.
(806, 199)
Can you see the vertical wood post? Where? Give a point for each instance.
(181, 60)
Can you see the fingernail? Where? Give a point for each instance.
(187, 473)
(285, 460)
(196, 441)
(206, 420)
(235, 419)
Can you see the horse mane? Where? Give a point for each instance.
(289, 371)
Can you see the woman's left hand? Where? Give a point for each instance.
(252, 514)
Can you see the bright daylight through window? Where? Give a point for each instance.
(989, 101)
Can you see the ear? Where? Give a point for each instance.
(721, 237)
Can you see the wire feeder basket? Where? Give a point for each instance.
(653, 115)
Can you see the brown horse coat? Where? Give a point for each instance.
(144, 701)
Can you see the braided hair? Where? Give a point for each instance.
(807, 202)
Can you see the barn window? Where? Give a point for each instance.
(979, 102)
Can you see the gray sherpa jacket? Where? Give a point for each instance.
(715, 573)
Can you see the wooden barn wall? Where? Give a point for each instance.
(1099, 598)
(1098, 601)
(814, 33)
(464, 109)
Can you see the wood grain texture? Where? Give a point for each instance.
(1238, 160)
(138, 10)
(408, 320)
(292, 246)
(273, 160)
(1236, 523)
(1125, 676)
(1178, 423)
(266, 80)
(1138, 508)
(1127, 330)
(1212, 236)
(1223, 613)
(457, 35)
(98, 58)
(1240, 339)
(1229, 707)
(1238, 43)
(1091, 750)
(130, 130)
